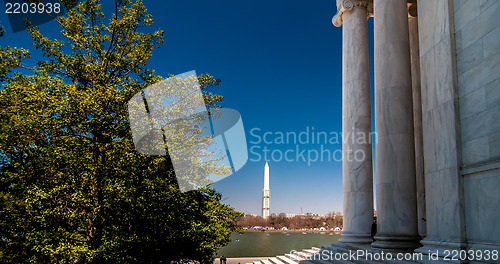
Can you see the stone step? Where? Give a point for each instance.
(306, 262)
(363, 260)
(266, 261)
(294, 257)
(275, 261)
(313, 256)
(317, 256)
(311, 253)
(257, 262)
(329, 248)
(287, 260)
(322, 261)
(366, 261)
(302, 255)
(318, 261)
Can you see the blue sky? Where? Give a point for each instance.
(280, 63)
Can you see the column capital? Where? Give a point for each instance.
(347, 5)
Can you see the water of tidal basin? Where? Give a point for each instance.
(268, 244)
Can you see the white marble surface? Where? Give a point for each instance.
(395, 163)
(476, 150)
(436, 67)
(433, 23)
(395, 104)
(481, 124)
(470, 57)
(491, 43)
(493, 146)
(473, 103)
(481, 74)
(481, 193)
(357, 175)
(417, 123)
(465, 13)
(478, 26)
(444, 207)
(485, 4)
(492, 94)
(443, 215)
(457, 4)
(478, 65)
(440, 138)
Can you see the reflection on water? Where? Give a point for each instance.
(268, 244)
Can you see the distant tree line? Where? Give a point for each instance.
(278, 221)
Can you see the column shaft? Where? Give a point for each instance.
(417, 119)
(395, 149)
(357, 174)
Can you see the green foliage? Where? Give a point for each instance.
(73, 189)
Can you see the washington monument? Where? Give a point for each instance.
(265, 193)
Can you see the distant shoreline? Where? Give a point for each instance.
(294, 231)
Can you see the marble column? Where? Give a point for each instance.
(417, 117)
(357, 174)
(395, 149)
(444, 181)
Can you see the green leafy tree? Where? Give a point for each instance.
(73, 189)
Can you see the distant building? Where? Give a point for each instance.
(266, 203)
